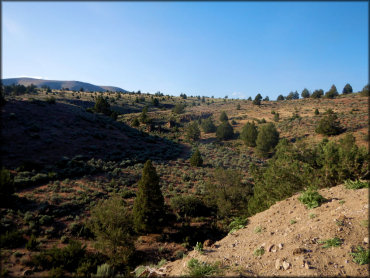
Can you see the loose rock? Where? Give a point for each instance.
(277, 264)
(286, 265)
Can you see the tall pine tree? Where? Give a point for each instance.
(148, 208)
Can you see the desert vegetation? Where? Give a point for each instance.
(101, 183)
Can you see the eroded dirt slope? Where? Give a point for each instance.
(291, 236)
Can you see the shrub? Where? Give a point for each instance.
(143, 118)
(105, 270)
(356, 184)
(223, 117)
(11, 239)
(361, 256)
(365, 91)
(111, 223)
(237, 224)
(179, 108)
(317, 111)
(267, 139)
(259, 251)
(249, 134)
(32, 243)
(329, 125)
(280, 97)
(225, 131)
(135, 122)
(333, 242)
(192, 132)
(311, 198)
(189, 206)
(196, 159)
(257, 100)
(199, 247)
(50, 100)
(276, 117)
(102, 106)
(201, 269)
(208, 126)
(148, 207)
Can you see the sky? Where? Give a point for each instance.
(219, 49)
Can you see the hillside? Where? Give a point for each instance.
(58, 85)
(291, 233)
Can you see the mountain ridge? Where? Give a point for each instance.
(60, 84)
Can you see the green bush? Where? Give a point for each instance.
(201, 269)
(237, 224)
(179, 108)
(332, 242)
(192, 132)
(249, 134)
(11, 239)
(259, 252)
(102, 106)
(196, 159)
(311, 198)
(223, 117)
(189, 205)
(361, 256)
(32, 243)
(208, 126)
(329, 125)
(356, 184)
(267, 139)
(105, 270)
(225, 131)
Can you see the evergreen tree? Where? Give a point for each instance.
(365, 91)
(249, 134)
(250, 99)
(196, 159)
(208, 126)
(223, 117)
(179, 108)
(192, 132)
(143, 118)
(148, 210)
(225, 131)
(317, 112)
(347, 89)
(332, 93)
(280, 97)
(317, 93)
(102, 106)
(135, 122)
(257, 100)
(329, 124)
(238, 106)
(267, 139)
(276, 117)
(266, 98)
(305, 93)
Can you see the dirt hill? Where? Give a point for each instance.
(292, 236)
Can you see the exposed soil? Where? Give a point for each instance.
(342, 216)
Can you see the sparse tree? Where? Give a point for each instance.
(280, 97)
(257, 100)
(144, 118)
(332, 93)
(317, 93)
(148, 210)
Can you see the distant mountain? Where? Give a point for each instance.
(58, 85)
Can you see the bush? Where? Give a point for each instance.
(179, 108)
(11, 239)
(276, 117)
(257, 100)
(311, 198)
(347, 89)
(102, 106)
(267, 139)
(135, 122)
(225, 131)
(329, 125)
(317, 112)
(317, 93)
(361, 256)
(111, 223)
(201, 269)
(332, 242)
(105, 270)
(356, 184)
(223, 117)
(237, 224)
(50, 100)
(196, 159)
(249, 134)
(192, 132)
(259, 252)
(208, 126)
(189, 206)
(332, 93)
(32, 243)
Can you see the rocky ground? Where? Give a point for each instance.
(291, 236)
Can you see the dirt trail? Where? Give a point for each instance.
(291, 236)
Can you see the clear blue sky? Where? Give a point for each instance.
(237, 49)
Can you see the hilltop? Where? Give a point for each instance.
(290, 233)
(59, 85)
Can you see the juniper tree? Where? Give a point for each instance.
(347, 89)
(225, 131)
(249, 134)
(223, 117)
(192, 132)
(208, 126)
(148, 210)
(257, 100)
(196, 159)
(305, 93)
(267, 139)
(329, 124)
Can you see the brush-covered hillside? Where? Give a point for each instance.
(124, 183)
